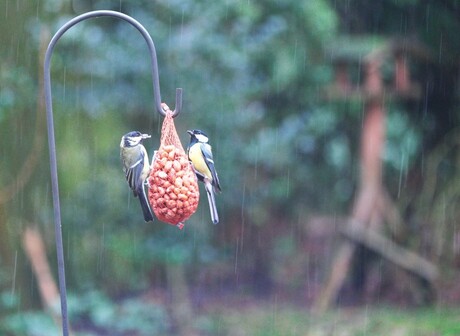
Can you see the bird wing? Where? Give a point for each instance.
(134, 174)
(207, 154)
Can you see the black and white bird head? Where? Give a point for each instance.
(199, 135)
(133, 139)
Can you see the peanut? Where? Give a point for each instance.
(177, 166)
(173, 189)
(178, 182)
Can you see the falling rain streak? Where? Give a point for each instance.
(402, 171)
(15, 268)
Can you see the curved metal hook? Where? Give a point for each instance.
(145, 34)
(51, 138)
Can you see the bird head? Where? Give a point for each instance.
(134, 138)
(198, 135)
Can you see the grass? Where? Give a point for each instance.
(98, 316)
(273, 321)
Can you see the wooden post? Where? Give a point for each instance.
(342, 80)
(181, 305)
(372, 145)
(402, 78)
(372, 205)
(385, 247)
(36, 252)
(373, 84)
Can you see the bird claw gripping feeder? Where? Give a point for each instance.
(173, 189)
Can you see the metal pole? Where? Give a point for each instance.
(52, 142)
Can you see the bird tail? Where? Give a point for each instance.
(148, 216)
(212, 202)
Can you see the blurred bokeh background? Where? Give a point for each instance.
(285, 90)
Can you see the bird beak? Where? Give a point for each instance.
(146, 136)
(190, 132)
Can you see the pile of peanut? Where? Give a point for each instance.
(173, 187)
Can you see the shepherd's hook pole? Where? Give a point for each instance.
(52, 142)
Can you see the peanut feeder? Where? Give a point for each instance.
(173, 189)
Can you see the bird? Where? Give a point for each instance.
(200, 155)
(136, 167)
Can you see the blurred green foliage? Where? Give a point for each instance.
(91, 314)
(252, 74)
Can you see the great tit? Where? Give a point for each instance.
(200, 155)
(136, 166)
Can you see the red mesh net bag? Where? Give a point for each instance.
(173, 188)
